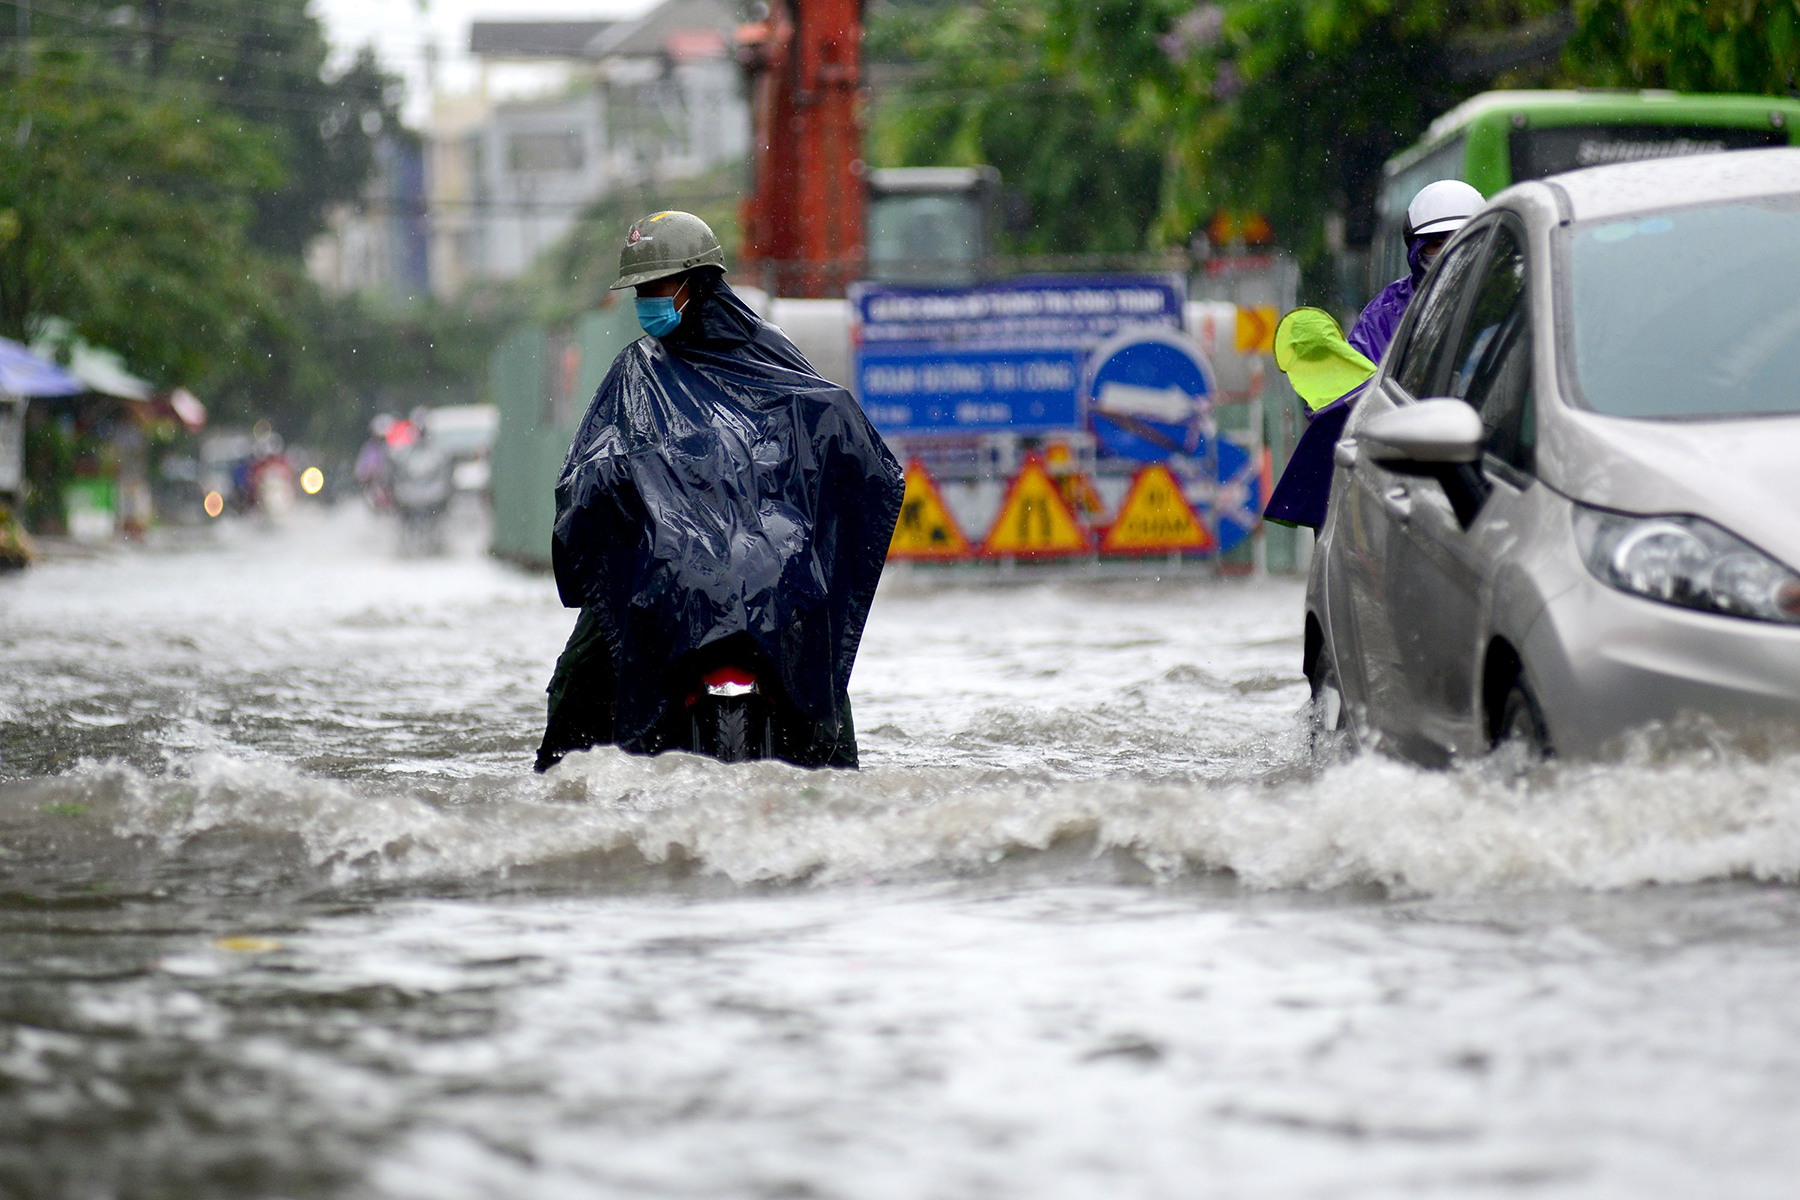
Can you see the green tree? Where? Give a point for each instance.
(179, 155)
(1689, 45)
(997, 87)
(1289, 107)
(263, 60)
(320, 366)
(128, 216)
(1151, 114)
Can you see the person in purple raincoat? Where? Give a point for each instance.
(1432, 219)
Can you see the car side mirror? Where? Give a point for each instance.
(1437, 439)
(1424, 437)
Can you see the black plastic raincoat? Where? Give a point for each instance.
(719, 490)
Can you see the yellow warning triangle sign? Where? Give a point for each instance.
(1155, 518)
(1034, 518)
(925, 529)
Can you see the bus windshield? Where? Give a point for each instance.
(1547, 151)
(1692, 313)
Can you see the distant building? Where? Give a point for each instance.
(528, 41)
(643, 102)
(676, 97)
(453, 154)
(536, 164)
(378, 245)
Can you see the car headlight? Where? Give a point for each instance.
(1689, 562)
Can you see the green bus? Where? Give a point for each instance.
(1499, 138)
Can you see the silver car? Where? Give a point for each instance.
(1568, 504)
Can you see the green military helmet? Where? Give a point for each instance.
(665, 244)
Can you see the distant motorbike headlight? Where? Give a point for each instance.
(1688, 562)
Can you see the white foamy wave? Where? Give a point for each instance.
(606, 817)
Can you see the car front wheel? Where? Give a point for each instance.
(1520, 733)
(1328, 720)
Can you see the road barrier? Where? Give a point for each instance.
(1044, 513)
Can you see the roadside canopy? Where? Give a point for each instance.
(23, 373)
(100, 370)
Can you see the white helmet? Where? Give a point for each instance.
(1442, 207)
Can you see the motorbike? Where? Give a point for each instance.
(421, 487)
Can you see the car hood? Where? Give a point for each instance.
(1739, 474)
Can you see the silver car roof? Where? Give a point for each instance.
(1624, 188)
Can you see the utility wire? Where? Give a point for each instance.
(98, 18)
(274, 98)
(402, 207)
(133, 32)
(246, 42)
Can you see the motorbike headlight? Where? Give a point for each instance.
(1688, 562)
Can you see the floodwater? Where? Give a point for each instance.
(284, 913)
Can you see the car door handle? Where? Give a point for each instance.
(1398, 503)
(1344, 454)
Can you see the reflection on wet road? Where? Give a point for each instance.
(284, 913)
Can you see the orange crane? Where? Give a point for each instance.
(804, 219)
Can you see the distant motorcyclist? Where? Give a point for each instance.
(720, 496)
(270, 483)
(420, 479)
(372, 464)
(1433, 217)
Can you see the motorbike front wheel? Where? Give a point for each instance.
(733, 728)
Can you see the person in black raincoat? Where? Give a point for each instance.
(721, 502)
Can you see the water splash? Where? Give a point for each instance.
(610, 820)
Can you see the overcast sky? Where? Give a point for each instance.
(402, 29)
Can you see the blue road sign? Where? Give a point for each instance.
(1148, 397)
(1001, 357)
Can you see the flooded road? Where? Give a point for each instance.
(284, 913)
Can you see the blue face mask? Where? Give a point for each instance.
(658, 315)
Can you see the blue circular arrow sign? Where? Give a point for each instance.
(1148, 394)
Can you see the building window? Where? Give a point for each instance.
(560, 151)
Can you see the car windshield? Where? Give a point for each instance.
(1694, 313)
